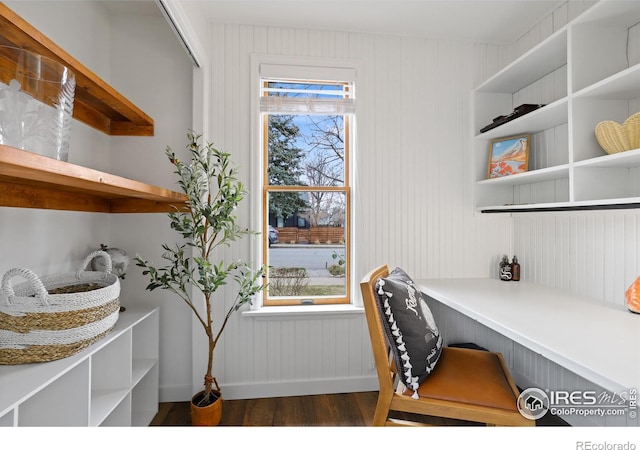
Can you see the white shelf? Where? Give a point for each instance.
(622, 85)
(145, 397)
(104, 402)
(623, 160)
(615, 14)
(541, 119)
(533, 65)
(609, 203)
(120, 416)
(533, 176)
(606, 204)
(593, 78)
(101, 385)
(141, 368)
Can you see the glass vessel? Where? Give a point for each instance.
(36, 103)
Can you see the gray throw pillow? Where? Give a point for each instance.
(410, 328)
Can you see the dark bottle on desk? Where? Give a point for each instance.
(505, 269)
(515, 269)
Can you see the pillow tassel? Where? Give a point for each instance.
(399, 301)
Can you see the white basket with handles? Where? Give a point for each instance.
(48, 318)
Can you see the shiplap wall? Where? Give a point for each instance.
(412, 195)
(593, 254)
(412, 192)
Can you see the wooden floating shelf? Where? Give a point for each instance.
(96, 103)
(29, 180)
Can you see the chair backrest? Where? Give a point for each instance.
(385, 366)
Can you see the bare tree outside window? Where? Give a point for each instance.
(306, 194)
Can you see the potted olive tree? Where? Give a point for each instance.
(193, 268)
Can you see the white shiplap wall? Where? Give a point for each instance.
(594, 254)
(412, 201)
(412, 192)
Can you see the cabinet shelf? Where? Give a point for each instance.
(623, 160)
(537, 62)
(104, 402)
(620, 86)
(141, 367)
(591, 205)
(533, 176)
(541, 119)
(585, 73)
(92, 387)
(28, 180)
(96, 103)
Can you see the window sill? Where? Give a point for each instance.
(303, 312)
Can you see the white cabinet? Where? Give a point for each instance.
(114, 382)
(585, 73)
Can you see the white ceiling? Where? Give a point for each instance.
(491, 21)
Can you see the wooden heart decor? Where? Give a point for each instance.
(616, 138)
(632, 297)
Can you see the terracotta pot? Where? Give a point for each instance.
(208, 415)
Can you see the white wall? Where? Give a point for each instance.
(141, 58)
(150, 66)
(593, 254)
(557, 19)
(412, 192)
(55, 241)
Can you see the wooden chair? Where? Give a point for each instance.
(469, 385)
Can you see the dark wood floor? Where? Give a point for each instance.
(352, 409)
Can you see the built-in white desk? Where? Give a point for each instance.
(597, 341)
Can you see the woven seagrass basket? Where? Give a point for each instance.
(616, 138)
(49, 318)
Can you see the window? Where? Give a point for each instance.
(306, 205)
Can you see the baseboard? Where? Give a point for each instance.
(179, 393)
(232, 391)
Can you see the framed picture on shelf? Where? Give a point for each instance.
(509, 155)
